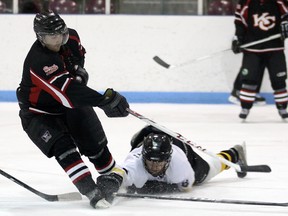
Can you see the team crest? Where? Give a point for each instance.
(264, 22)
(50, 69)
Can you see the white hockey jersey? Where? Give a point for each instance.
(178, 172)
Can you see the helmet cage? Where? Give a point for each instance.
(156, 150)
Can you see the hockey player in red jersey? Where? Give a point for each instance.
(256, 20)
(158, 163)
(56, 105)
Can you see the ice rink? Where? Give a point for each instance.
(215, 127)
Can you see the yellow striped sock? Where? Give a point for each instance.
(227, 157)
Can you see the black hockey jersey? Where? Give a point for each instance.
(48, 85)
(259, 19)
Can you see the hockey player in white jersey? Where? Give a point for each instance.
(159, 163)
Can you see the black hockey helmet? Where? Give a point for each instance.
(156, 148)
(50, 23)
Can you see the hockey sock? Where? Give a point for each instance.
(77, 171)
(247, 96)
(103, 161)
(281, 99)
(230, 155)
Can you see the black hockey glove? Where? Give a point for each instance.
(156, 187)
(109, 184)
(284, 27)
(81, 75)
(236, 43)
(114, 104)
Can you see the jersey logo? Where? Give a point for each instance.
(49, 70)
(46, 136)
(281, 74)
(264, 22)
(185, 183)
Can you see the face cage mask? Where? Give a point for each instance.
(150, 165)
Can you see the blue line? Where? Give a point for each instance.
(163, 97)
(8, 96)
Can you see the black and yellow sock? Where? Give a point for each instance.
(230, 155)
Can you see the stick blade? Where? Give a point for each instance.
(73, 196)
(256, 168)
(161, 62)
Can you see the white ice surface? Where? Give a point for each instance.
(215, 127)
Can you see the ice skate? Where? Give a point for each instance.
(244, 113)
(96, 199)
(241, 150)
(259, 100)
(283, 113)
(234, 98)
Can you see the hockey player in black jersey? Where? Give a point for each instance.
(56, 105)
(256, 20)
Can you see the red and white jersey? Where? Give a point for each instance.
(48, 84)
(178, 172)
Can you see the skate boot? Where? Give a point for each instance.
(283, 113)
(244, 113)
(235, 98)
(96, 199)
(259, 100)
(241, 151)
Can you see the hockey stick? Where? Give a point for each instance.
(195, 199)
(73, 196)
(166, 65)
(238, 168)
